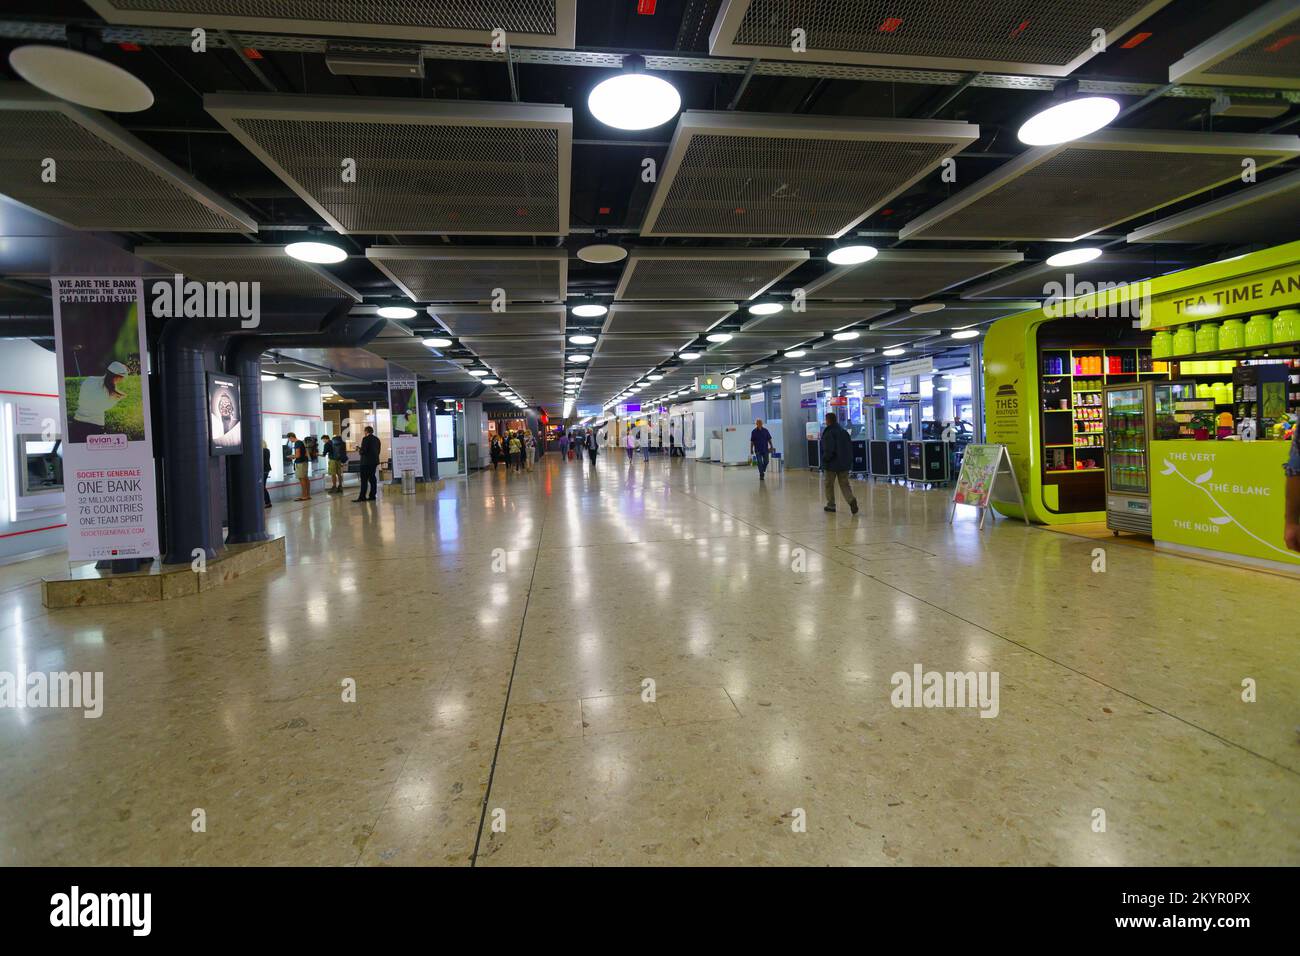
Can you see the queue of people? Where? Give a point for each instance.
(517, 450)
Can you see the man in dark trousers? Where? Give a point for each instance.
(837, 459)
(369, 463)
(592, 447)
(760, 447)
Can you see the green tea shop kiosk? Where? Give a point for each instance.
(1045, 372)
(1217, 485)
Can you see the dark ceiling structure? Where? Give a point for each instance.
(479, 167)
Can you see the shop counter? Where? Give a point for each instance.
(1222, 499)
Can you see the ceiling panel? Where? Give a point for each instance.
(658, 347)
(1264, 212)
(482, 320)
(1032, 282)
(909, 274)
(816, 317)
(105, 178)
(422, 166)
(1063, 193)
(685, 318)
(276, 272)
(714, 274)
(782, 176)
(443, 274)
(1259, 50)
(957, 315)
(545, 23)
(1044, 37)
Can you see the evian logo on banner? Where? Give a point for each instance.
(208, 300)
(106, 442)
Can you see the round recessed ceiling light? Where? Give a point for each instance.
(922, 308)
(578, 357)
(843, 364)
(491, 381)
(396, 312)
(851, 255)
(807, 373)
(436, 343)
(574, 379)
(844, 336)
(479, 372)
(796, 353)
(654, 378)
(966, 334)
(1068, 120)
(1074, 257)
(688, 356)
(589, 310)
(308, 385)
(582, 339)
(894, 353)
(602, 253)
(320, 253)
(720, 337)
(268, 378)
(634, 99)
(765, 308)
(81, 78)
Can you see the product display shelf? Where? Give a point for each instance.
(1275, 350)
(1099, 376)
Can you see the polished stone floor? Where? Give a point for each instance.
(499, 635)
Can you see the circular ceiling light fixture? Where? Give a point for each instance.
(1069, 116)
(579, 357)
(924, 308)
(436, 343)
(81, 78)
(688, 356)
(655, 378)
(396, 312)
(634, 99)
(894, 353)
(807, 373)
(602, 253)
(574, 379)
(313, 251)
(765, 308)
(845, 336)
(1074, 257)
(582, 339)
(719, 337)
(268, 378)
(308, 385)
(851, 254)
(844, 365)
(796, 353)
(491, 381)
(479, 372)
(590, 310)
(966, 334)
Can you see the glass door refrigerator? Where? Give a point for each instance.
(1136, 415)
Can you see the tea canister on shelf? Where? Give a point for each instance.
(1184, 341)
(1162, 345)
(1222, 392)
(1207, 337)
(1232, 334)
(1286, 325)
(1259, 330)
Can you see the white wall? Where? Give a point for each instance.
(26, 368)
(476, 432)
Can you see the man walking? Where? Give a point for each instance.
(760, 446)
(369, 453)
(837, 459)
(592, 447)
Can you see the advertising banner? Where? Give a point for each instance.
(406, 422)
(99, 334)
(986, 476)
(224, 434)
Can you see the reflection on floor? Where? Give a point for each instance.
(502, 637)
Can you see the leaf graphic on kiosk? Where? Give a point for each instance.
(1170, 467)
(1221, 519)
(1202, 479)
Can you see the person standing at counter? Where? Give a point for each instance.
(301, 467)
(369, 455)
(837, 460)
(1291, 531)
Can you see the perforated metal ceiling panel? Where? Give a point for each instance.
(1260, 49)
(716, 274)
(481, 320)
(957, 315)
(1066, 192)
(422, 166)
(278, 273)
(1035, 281)
(655, 348)
(816, 317)
(448, 274)
(1265, 212)
(781, 176)
(105, 178)
(547, 23)
(1046, 37)
(686, 319)
(909, 274)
